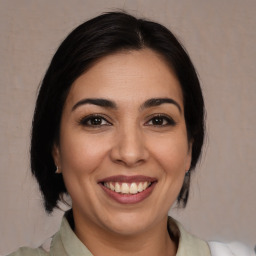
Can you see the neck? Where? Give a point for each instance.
(151, 242)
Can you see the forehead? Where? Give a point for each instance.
(126, 77)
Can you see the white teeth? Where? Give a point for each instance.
(112, 187)
(140, 187)
(127, 188)
(133, 188)
(117, 187)
(145, 185)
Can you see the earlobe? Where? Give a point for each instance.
(56, 157)
(58, 171)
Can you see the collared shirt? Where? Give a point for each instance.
(66, 243)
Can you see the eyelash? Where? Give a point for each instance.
(85, 121)
(164, 121)
(163, 118)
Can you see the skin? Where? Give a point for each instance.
(127, 140)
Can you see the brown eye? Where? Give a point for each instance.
(161, 120)
(158, 121)
(94, 120)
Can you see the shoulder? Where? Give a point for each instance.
(25, 251)
(189, 244)
(230, 249)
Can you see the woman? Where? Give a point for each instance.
(119, 126)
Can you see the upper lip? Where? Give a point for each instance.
(127, 179)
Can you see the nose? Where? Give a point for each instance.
(129, 147)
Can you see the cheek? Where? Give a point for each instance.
(81, 155)
(80, 161)
(172, 153)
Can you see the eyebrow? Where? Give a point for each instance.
(98, 102)
(154, 102)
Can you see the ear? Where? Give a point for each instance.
(189, 156)
(56, 155)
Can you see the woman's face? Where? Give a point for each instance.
(123, 148)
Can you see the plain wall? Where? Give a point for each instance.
(220, 36)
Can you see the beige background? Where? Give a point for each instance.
(220, 36)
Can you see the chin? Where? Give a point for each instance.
(128, 224)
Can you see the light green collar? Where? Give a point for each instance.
(66, 243)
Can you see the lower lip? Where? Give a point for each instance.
(129, 198)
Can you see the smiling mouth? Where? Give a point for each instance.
(127, 188)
